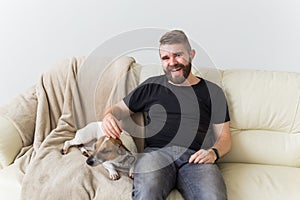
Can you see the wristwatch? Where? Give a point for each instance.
(217, 154)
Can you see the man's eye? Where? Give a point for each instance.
(165, 58)
(178, 55)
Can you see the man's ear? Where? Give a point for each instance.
(192, 53)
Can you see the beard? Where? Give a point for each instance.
(186, 69)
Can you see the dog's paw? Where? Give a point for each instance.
(114, 176)
(131, 175)
(130, 172)
(63, 152)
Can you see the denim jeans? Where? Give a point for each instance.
(158, 171)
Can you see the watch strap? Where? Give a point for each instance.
(217, 154)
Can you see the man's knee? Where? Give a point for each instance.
(201, 182)
(147, 186)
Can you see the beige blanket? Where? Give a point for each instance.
(67, 97)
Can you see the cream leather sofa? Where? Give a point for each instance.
(265, 125)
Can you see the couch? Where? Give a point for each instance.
(264, 161)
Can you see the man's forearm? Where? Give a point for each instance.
(110, 122)
(223, 142)
(119, 111)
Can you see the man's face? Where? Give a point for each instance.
(176, 61)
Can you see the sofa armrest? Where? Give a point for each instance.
(10, 142)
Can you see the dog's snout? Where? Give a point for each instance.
(90, 161)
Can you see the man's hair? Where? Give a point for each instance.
(175, 37)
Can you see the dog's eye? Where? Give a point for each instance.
(105, 151)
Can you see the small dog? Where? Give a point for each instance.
(111, 153)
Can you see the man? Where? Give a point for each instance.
(182, 109)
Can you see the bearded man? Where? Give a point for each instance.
(182, 111)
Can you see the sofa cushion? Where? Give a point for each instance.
(260, 182)
(10, 142)
(264, 147)
(263, 100)
(10, 187)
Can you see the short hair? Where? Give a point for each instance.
(175, 37)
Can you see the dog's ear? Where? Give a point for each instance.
(116, 141)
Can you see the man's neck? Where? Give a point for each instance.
(191, 80)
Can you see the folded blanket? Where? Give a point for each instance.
(74, 93)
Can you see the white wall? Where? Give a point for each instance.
(257, 34)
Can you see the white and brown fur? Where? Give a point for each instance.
(109, 152)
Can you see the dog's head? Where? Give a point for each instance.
(106, 149)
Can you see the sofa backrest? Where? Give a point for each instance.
(265, 116)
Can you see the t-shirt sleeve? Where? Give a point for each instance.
(220, 113)
(136, 100)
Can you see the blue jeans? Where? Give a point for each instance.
(158, 171)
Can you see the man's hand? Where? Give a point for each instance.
(110, 123)
(111, 126)
(203, 157)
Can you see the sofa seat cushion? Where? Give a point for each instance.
(264, 147)
(10, 187)
(10, 142)
(260, 182)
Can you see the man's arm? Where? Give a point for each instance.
(222, 144)
(110, 123)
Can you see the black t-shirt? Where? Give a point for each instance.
(178, 115)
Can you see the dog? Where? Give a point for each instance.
(99, 149)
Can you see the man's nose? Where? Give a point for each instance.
(172, 61)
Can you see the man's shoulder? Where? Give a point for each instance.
(212, 88)
(155, 79)
(211, 85)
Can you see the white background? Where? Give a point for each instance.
(252, 34)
